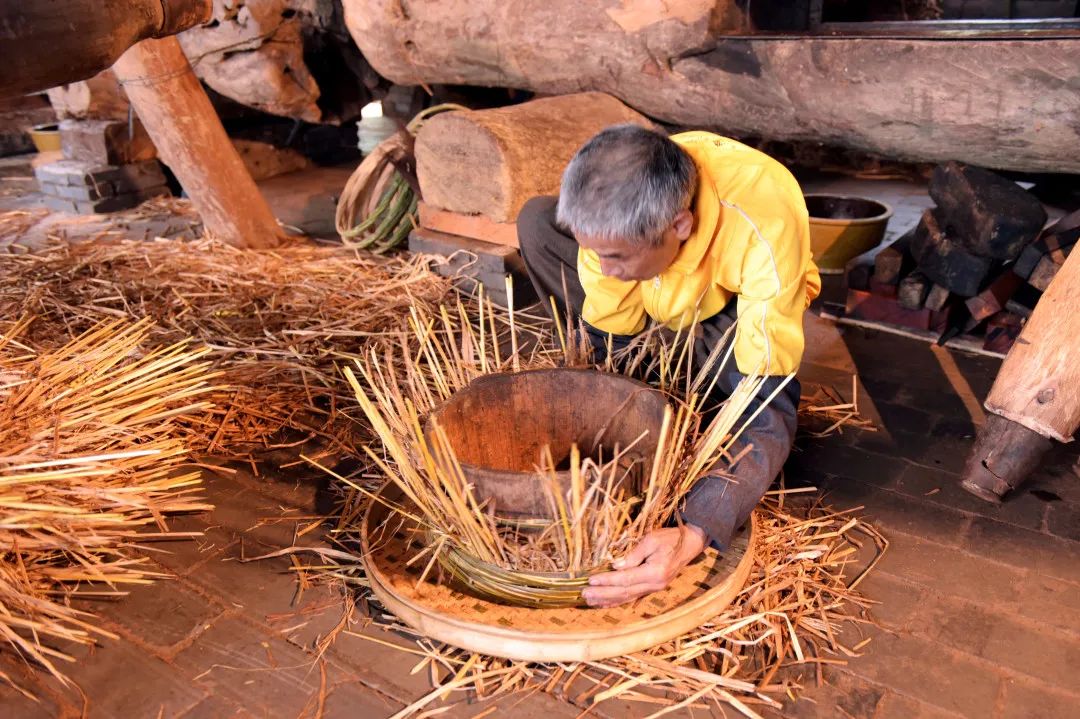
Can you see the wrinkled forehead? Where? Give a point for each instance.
(608, 245)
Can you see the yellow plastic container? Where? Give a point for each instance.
(46, 138)
(844, 227)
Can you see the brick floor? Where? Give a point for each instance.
(979, 605)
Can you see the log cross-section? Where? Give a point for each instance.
(190, 139)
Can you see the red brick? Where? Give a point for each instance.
(217, 708)
(917, 517)
(844, 695)
(946, 453)
(943, 488)
(950, 571)
(161, 615)
(1042, 553)
(181, 556)
(51, 701)
(900, 601)
(1030, 701)
(919, 667)
(122, 681)
(1048, 600)
(353, 700)
(849, 462)
(383, 668)
(894, 706)
(260, 588)
(1063, 520)
(263, 674)
(1021, 646)
(313, 618)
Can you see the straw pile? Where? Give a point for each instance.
(273, 320)
(92, 452)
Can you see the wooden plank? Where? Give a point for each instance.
(477, 227)
(868, 306)
(937, 298)
(894, 261)
(912, 291)
(992, 300)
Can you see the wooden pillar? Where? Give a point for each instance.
(1036, 396)
(190, 139)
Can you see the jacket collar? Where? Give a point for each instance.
(706, 210)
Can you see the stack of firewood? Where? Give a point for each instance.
(978, 261)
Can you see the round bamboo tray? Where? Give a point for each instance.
(445, 613)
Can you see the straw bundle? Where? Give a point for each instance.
(273, 320)
(92, 447)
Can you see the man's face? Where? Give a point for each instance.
(636, 262)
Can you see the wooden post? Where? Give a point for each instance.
(190, 139)
(1036, 393)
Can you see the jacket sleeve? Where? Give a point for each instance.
(611, 306)
(777, 281)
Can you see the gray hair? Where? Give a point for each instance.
(627, 184)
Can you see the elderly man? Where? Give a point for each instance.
(652, 227)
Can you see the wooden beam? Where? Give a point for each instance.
(994, 103)
(190, 139)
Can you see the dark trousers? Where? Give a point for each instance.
(718, 504)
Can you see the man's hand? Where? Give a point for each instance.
(649, 567)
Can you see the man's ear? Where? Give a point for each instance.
(683, 225)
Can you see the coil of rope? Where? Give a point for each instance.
(377, 208)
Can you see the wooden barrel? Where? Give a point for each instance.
(499, 425)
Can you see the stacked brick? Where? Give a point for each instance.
(108, 165)
(85, 188)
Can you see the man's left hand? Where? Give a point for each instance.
(649, 567)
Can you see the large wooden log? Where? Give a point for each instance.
(291, 58)
(1038, 385)
(189, 137)
(51, 43)
(490, 162)
(998, 104)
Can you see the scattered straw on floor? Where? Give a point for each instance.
(93, 440)
(799, 612)
(275, 321)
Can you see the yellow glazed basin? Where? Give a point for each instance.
(46, 138)
(844, 227)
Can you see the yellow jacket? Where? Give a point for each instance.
(751, 238)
